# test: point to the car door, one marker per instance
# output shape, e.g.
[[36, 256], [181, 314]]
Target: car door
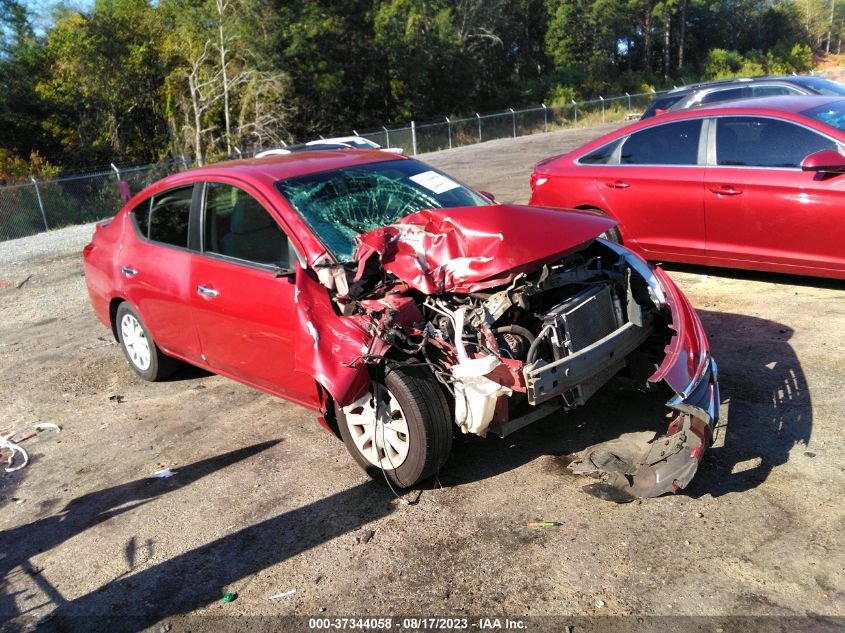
[[155, 269], [243, 293], [655, 189], [760, 207]]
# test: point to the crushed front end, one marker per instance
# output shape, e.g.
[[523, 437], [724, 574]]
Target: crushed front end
[[515, 343]]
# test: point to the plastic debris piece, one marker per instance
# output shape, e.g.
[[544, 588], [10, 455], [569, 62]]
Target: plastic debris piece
[[229, 597], [20, 285], [600, 604], [163, 474], [22, 437], [541, 524], [287, 593], [7, 444], [104, 425], [44, 426]]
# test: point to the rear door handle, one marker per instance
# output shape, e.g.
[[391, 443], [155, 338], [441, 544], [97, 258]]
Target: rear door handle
[[726, 190], [128, 271], [618, 184], [207, 292]]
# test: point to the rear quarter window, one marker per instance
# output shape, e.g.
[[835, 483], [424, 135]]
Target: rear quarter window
[[169, 216], [600, 156], [141, 218]]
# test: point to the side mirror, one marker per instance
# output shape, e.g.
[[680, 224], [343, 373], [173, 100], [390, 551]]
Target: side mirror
[[825, 161], [488, 195]]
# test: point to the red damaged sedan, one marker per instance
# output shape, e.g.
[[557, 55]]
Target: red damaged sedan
[[757, 184], [399, 304]]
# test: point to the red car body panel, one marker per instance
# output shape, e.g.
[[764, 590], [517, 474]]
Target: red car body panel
[[774, 219], [471, 248]]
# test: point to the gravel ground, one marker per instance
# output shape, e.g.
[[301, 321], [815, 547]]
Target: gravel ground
[[264, 501]]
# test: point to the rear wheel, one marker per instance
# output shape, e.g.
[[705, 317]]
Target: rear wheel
[[612, 234], [401, 427], [140, 348]]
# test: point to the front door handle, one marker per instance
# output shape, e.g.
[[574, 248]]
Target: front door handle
[[207, 292], [128, 271], [726, 190], [618, 184]]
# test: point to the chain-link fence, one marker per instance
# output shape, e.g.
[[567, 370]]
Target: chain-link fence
[[37, 206]]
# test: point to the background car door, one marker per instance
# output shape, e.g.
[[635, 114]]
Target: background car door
[[243, 300], [155, 266], [760, 206], [656, 190]]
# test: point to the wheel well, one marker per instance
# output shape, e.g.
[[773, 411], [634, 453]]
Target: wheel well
[[589, 207], [114, 304]]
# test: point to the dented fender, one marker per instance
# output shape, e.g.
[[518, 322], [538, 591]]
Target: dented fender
[[328, 346]]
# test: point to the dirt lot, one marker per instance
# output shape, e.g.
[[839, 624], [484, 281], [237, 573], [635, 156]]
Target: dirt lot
[[264, 501]]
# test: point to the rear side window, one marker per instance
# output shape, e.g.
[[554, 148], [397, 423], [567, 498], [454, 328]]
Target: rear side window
[[662, 103], [669, 144], [169, 216], [237, 225], [724, 95], [600, 156], [141, 216], [760, 142], [773, 91]]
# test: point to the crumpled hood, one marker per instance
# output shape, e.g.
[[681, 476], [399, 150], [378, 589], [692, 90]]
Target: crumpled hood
[[467, 249]]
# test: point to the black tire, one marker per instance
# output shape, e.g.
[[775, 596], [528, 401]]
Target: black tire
[[159, 365], [611, 235], [429, 424]]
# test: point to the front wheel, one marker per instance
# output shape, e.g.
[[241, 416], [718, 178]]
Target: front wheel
[[401, 427]]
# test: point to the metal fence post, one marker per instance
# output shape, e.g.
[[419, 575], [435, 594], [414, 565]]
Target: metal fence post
[[40, 204], [414, 137], [449, 131], [575, 104], [629, 101], [386, 136], [602, 108], [513, 114], [479, 126], [545, 117]]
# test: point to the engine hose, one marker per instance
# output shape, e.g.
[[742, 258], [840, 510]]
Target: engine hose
[[535, 345], [516, 329]]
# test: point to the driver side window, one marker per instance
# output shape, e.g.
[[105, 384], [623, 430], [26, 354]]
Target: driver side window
[[236, 225]]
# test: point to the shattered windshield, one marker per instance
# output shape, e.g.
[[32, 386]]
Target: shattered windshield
[[341, 204]]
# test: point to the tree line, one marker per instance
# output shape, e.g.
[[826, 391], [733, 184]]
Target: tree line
[[134, 81]]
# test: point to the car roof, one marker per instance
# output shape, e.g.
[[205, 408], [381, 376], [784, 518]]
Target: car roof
[[273, 168], [737, 81], [783, 103]]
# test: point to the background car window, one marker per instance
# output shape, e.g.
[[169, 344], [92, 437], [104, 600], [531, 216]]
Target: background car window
[[724, 95], [669, 144], [662, 103], [237, 225], [773, 91], [169, 216], [599, 156], [141, 215], [760, 142]]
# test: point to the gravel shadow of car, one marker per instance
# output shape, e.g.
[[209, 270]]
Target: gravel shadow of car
[[135, 602], [766, 411]]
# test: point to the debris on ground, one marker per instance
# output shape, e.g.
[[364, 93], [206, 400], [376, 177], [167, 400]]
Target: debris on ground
[[542, 524], [7, 444], [44, 426], [20, 284], [601, 604], [116, 397], [104, 425], [369, 534], [163, 474], [229, 597], [287, 593], [22, 436]]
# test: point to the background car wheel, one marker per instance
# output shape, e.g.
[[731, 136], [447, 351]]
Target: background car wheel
[[140, 348], [402, 426], [611, 235]]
